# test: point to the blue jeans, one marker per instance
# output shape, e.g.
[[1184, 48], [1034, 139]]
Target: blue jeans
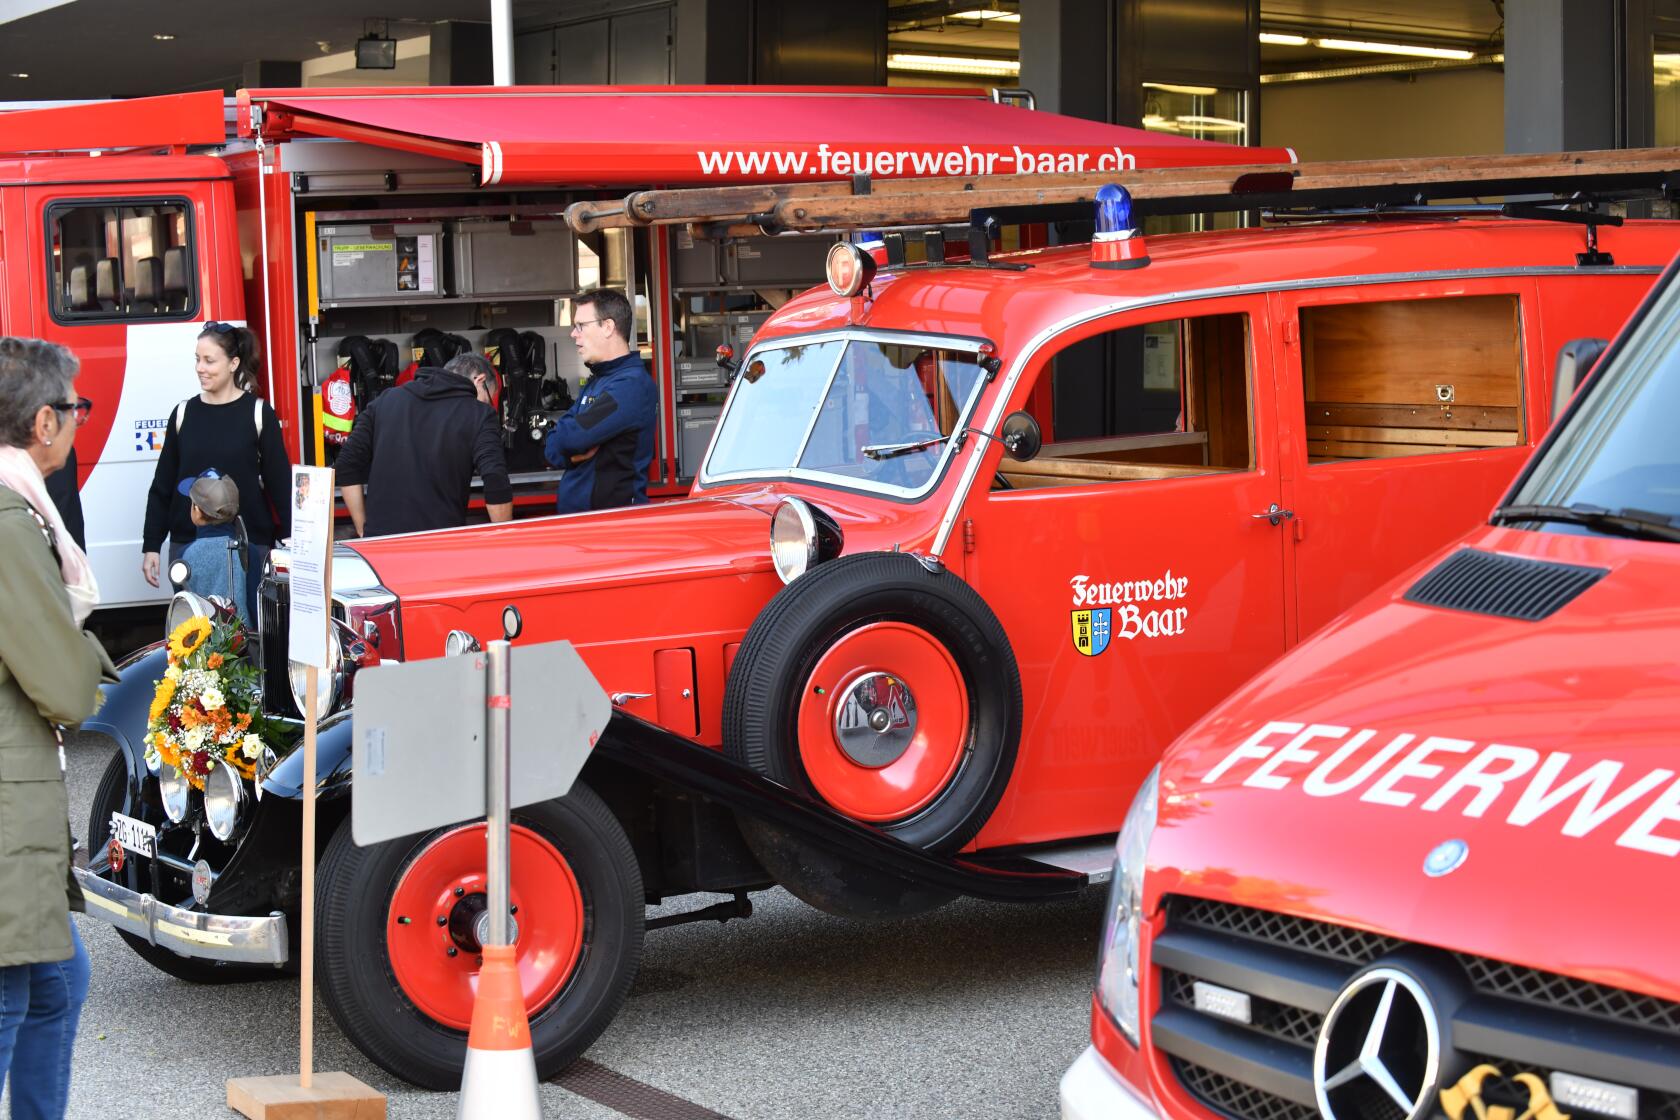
[[39, 1007]]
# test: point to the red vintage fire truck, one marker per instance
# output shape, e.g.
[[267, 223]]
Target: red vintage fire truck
[[367, 230], [976, 535], [1466, 911]]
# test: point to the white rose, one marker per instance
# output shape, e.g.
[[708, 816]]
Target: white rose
[[251, 747], [173, 672], [193, 740], [212, 698]]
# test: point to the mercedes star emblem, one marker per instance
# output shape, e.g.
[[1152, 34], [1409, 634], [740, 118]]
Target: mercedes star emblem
[[1380, 1047]]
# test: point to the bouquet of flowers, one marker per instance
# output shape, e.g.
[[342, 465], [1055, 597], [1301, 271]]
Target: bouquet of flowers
[[208, 705]]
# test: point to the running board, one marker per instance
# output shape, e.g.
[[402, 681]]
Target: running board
[[1094, 859], [663, 756]]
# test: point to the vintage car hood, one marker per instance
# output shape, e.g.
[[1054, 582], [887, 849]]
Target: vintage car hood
[[651, 543], [1571, 860]]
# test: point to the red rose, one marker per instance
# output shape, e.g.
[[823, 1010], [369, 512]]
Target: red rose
[[237, 643], [201, 762]]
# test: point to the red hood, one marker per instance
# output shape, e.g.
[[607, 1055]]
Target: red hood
[[638, 544], [1589, 693]]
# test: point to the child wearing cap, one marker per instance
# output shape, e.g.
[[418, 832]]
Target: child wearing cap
[[213, 557]]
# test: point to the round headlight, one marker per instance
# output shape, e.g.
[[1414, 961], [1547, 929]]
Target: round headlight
[[224, 795], [329, 683], [793, 539], [173, 788], [459, 641], [179, 573], [186, 605]]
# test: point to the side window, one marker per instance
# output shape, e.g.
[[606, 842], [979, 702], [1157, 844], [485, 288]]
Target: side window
[[121, 260], [1412, 377], [1158, 400]]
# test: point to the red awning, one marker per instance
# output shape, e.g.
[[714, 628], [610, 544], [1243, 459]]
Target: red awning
[[669, 135], [174, 120]]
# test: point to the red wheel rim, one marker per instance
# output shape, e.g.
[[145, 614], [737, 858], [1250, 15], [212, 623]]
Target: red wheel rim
[[911, 782], [548, 909]]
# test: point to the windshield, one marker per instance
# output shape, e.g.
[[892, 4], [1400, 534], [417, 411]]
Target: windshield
[[813, 409], [1619, 455]]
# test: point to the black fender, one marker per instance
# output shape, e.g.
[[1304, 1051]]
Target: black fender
[[662, 756], [125, 706], [332, 763]]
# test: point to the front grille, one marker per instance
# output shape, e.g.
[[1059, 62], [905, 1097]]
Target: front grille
[[1233, 1098], [1291, 968], [274, 608], [1506, 586]]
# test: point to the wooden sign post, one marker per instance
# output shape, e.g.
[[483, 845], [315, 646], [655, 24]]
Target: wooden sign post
[[309, 630]]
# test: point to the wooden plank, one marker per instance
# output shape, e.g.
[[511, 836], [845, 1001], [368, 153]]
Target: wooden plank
[[1431, 437], [1086, 470], [931, 201], [333, 1096], [1071, 448], [1396, 352], [1339, 450], [1459, 417]]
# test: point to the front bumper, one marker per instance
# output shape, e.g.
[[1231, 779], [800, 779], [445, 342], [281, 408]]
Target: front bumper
[[214, 937], [1092, 1091]]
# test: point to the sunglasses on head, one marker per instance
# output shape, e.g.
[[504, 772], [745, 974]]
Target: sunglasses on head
[[213, 327]]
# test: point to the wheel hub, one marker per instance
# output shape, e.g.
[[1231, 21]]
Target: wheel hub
[[876, 720]]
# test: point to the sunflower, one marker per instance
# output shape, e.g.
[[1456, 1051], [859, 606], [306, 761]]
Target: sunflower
[[161, 701], [189, 636]]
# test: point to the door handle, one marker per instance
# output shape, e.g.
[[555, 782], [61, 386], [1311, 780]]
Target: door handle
[[1276, 514], [619, 699]]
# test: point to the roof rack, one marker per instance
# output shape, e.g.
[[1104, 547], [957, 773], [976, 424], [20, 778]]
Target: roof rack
[[879, 204]]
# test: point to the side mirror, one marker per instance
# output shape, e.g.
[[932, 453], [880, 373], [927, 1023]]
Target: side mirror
[[180, 572], [1574, 361], [512, 624], [1021, 436]]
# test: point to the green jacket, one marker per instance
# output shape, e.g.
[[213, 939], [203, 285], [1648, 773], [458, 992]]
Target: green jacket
[[49, 673]]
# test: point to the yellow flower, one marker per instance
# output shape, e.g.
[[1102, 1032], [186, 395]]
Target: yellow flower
[[161, 701], [189, 636]]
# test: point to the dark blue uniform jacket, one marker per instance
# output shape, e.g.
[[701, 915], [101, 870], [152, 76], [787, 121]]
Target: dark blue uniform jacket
[[615, 413]]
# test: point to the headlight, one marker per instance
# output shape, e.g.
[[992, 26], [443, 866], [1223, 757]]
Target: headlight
[[1117, 961], [173, 788], [224, 796], [459, 641], [329, 682], [186, 605], [801, 536]]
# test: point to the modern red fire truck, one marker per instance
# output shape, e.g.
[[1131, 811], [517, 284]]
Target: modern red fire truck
[[373, 229]]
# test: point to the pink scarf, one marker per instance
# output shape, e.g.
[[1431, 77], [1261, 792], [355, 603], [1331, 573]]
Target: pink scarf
[[19, 472]]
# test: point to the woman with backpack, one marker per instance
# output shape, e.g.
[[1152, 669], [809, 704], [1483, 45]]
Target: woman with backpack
[[229, 428]]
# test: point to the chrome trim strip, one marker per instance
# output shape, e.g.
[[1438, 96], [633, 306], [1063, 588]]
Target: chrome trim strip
[[214, 937], [972, 468], [816, 413], [964, 343]]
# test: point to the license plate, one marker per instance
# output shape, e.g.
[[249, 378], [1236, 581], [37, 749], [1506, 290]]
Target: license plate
[[135, 836]]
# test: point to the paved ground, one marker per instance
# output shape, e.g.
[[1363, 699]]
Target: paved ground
[[970, 1012]]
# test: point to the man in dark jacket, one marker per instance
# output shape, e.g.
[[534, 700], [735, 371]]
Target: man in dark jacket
[[416, 449], [604, 442]]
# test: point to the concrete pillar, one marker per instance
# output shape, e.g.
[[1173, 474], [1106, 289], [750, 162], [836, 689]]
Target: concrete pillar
[[271, 74], [1068, 56], [1577, 75], [714, 42], [460, 54], [820, 42]]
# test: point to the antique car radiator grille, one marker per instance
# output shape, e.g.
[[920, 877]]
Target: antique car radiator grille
[[1520, 1019], [273, 609], [1506, 586]]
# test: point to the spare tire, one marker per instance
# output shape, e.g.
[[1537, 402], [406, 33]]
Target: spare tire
[[885, 688]]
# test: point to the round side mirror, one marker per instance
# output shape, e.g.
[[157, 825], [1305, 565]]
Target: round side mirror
[[1021, 436], [179, 573], [512, 624]]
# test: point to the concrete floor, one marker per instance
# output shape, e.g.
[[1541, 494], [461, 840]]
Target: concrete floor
[[973, 1011]]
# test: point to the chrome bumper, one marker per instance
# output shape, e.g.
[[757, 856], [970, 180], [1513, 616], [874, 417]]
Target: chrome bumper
[[1093, 1091], [214, 937]]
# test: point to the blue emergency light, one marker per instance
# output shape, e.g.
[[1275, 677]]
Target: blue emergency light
[[1117, 243]]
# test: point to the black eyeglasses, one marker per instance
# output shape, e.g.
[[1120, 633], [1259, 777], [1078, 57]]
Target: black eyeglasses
[[81, 406]]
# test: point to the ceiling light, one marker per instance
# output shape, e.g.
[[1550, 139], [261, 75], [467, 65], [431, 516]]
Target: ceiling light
[[1276, 40], [952, 64], [1194, 91], [1212, 124], [20, 75], [988, 14], [163, 38], [1372, 69], [1666, 61], [1412, 49]]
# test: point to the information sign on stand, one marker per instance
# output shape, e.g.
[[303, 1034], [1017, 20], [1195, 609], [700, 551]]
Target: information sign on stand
[[310, 504]]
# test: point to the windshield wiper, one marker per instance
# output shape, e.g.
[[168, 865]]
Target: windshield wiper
[[1636, 523], [894, 450]]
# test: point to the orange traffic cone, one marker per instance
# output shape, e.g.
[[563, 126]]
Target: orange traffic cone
[[500, 1078]]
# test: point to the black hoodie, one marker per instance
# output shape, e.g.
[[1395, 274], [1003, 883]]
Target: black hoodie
[[416, 449]]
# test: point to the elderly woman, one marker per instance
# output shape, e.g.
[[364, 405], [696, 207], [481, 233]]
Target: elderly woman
[[49, 675]]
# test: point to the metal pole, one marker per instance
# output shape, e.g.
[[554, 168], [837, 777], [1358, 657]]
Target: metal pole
[[501, 41], [497, 793]]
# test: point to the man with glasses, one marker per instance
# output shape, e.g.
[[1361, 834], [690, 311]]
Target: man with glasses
[[604, 442]]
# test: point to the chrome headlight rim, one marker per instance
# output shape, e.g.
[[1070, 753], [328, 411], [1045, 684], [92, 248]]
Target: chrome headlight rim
[[184, 605], [1118, 957], [330, 681], [802, 536], [224, 800], [174, 791], [457, 642]]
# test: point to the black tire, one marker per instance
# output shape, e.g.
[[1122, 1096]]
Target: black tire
[[831, 601], [360, 989], [109, 797]]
